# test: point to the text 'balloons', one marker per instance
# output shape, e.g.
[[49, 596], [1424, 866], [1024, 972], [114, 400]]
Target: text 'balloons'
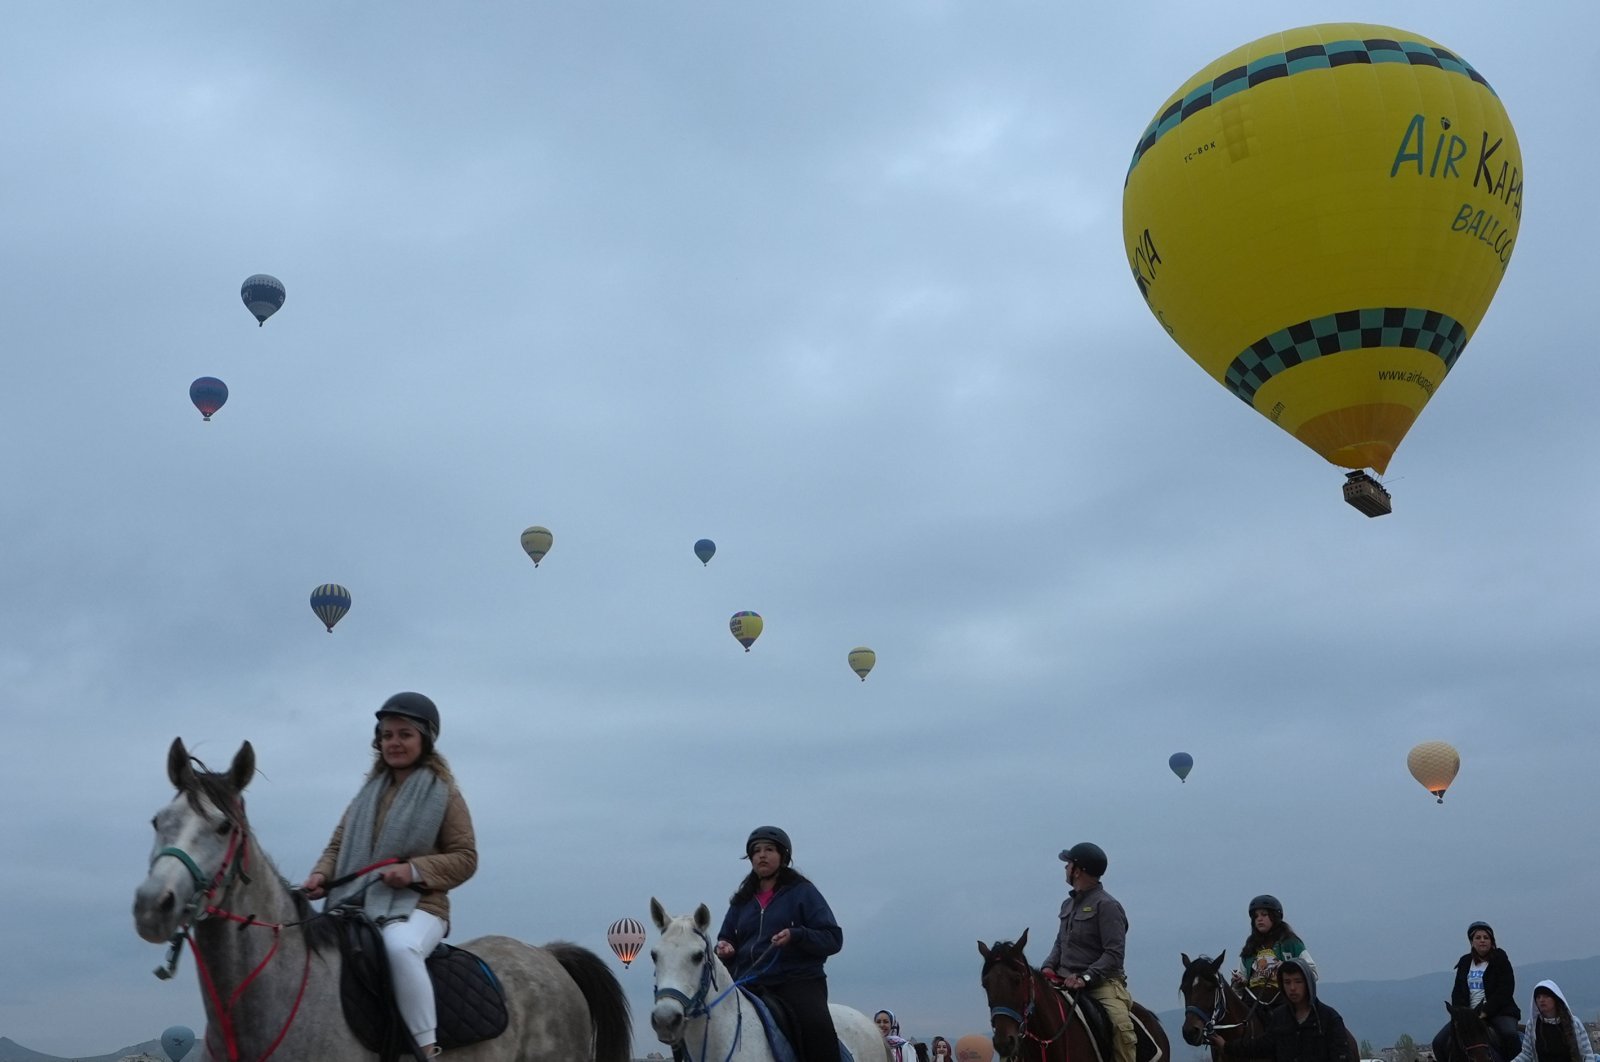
[[1305, 218], [208, 395], [861, 661], [626, 937], [330, 602], [263, 296], [705, 549], [536, 542], [1434, 765], [746, 626], [1181, 764]]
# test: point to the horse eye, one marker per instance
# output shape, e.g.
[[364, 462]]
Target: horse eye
[[700, 956], [226, 827]]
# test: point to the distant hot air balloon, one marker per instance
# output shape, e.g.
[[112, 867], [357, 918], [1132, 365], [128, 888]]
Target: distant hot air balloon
[[176, 1041], [861, 660], [330, 602], [976, 1047], [1434, 764], [705, 549], [263, 296], [536, 541], [1181, 763], [1320, 219], [208, 394], [626, 937], [746, 626]]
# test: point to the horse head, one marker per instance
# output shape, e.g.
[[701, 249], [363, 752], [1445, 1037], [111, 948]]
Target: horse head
[[1470, 1035], [201, 842], [1008, 981], [1205, 999], [686, 970]]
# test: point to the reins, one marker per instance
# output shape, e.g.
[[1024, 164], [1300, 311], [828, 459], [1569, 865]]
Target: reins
[[1219, 1010], [1025, 1018], [696, 1006]]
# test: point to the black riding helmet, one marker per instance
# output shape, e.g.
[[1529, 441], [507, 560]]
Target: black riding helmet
[[1090, 858], [773, 835], [1486, 927], [413, 706], [1269, 904]]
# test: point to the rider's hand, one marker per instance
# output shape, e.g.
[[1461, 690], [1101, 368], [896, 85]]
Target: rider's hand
[[782, 937], [724, 950], [396, 876], [1050, 975], [312, 886]]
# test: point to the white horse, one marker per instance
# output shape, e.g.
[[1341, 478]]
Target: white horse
[[269, 966], [698, 1006]]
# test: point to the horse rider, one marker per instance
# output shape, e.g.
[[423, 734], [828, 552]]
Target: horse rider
[[1303, 1029], [1485, 982], [1088, 952], [1271, 941]]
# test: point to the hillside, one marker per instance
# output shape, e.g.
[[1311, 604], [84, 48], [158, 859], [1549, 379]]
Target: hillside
[[1380, 1011], [11, 1051]]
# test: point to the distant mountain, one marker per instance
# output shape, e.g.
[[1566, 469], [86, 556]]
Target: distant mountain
[[1380, 1011], [11, 1051]]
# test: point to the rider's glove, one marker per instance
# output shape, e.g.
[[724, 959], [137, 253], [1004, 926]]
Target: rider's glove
[[1050, 975]]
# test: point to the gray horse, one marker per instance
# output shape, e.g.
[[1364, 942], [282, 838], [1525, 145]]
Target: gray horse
[[269, 973]]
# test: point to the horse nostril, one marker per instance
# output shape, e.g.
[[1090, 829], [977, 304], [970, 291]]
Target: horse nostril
[[168, 902]]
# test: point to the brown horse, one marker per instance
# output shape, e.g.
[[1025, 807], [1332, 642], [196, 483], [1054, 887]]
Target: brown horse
[[1033, 1020], [1471, 1038], [1213, 1006]]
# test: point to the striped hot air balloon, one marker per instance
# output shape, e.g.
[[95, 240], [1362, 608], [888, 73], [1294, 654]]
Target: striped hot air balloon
[[330, 602], [626, 937], [263, 296]]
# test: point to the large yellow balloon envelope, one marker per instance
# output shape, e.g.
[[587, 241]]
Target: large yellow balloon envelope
[[861, 661], [1434, 764], [1320, 219], [536, 542], [746, 626]]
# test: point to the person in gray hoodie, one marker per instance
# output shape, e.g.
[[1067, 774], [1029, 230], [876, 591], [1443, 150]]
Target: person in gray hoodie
[[1555, 1034], [1301, 1029]]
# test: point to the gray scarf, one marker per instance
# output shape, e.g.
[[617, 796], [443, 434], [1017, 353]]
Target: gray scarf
[[411, 828]]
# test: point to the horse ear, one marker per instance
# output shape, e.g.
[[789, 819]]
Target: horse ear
[[244, 767], [179, 769], [1022, 941], [1185, 957], [1223, 954], [702, 917], [658, 914], [983, 949]]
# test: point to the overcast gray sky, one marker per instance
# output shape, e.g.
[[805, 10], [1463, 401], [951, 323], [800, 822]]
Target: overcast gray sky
[[834, 285]]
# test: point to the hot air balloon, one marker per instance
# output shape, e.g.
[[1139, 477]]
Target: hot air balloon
[[263, 296], [746, 626], [176, 1042], [1434, 764], [1320, 219], [330, 602], [705, 549], [626, 937], [208, 394], [976, 1047], [861, 660], [536, 541], [1181, 763]]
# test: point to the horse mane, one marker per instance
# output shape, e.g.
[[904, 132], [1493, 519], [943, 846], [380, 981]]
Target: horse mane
[[1190, 974], [212, 786], [1001, 951]]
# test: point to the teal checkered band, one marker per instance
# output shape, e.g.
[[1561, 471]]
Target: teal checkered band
[[1299, 60], [1380, 326]]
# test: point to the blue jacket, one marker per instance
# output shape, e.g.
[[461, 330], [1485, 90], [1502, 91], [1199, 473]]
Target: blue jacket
[[800, 909]]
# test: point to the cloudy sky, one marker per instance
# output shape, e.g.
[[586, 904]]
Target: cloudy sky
[[835, 286]]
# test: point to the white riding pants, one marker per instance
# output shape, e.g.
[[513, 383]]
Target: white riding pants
[[408, 945]]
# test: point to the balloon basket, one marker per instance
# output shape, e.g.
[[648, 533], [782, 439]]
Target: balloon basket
[[1366, 494]]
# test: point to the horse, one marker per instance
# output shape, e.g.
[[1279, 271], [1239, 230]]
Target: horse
[[1213, 1005], [701, 1011], [269, 966], [1471, 1038], [1034, 1031]]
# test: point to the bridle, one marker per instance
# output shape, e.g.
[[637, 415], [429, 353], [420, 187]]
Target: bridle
[[696, 1006], [1025, 1017], [1219, 1010]]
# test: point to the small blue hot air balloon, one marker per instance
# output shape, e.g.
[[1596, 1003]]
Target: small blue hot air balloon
[[1181, 763], [263, 296], [208, 394], [330, 602], [705, 549], [176, 1041]]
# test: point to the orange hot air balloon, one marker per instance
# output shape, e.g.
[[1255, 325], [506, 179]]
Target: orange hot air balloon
[[1434, 764]]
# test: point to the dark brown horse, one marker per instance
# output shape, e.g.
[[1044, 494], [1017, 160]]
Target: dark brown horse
[[1212, 1006], [1471, 1038], [1034, 1021]]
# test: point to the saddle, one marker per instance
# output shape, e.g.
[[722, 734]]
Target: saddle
[[472, 1005], [778, 1024], [1094, 1018]]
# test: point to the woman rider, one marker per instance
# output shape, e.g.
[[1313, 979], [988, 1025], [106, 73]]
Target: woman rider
[[778, 933], [1486, 983], [1271, 941]]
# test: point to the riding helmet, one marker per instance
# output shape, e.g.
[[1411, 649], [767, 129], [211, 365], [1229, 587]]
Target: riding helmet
[[773, 835], [1090, 858], [413, 706], [1474, 927], [1269, 904]]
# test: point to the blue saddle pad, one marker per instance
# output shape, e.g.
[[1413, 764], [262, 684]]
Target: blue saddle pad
[[782, 1050]]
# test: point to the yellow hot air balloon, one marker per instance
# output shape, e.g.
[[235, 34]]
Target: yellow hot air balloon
[[537, 541], [1434, 764], [746, 626], [861, 660], [1319, 219]]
